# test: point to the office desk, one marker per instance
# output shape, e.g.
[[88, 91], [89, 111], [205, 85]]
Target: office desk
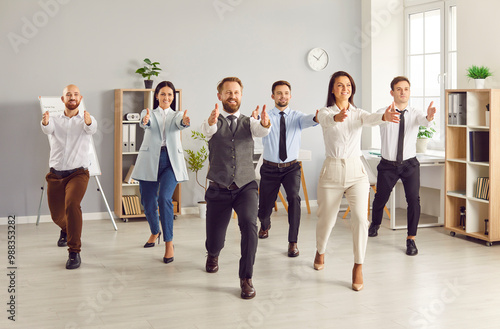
[[431, 191]]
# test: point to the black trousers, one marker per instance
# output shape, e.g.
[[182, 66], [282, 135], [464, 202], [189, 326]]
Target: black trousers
[[271, 178], [220, 203], [388, 175]]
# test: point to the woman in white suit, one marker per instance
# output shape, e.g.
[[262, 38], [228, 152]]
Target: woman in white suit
[[160, 164]]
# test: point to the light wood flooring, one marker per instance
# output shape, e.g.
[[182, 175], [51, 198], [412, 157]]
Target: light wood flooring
[[454, 282]]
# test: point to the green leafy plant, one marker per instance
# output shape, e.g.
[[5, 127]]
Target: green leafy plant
[[426, 132], [150, 69], [478, 72], [196, 159]]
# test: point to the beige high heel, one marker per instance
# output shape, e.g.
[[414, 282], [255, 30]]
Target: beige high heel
[[357, 286], [319, 261]]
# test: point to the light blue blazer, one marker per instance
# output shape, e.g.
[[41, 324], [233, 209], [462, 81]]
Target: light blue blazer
[[146, 166]]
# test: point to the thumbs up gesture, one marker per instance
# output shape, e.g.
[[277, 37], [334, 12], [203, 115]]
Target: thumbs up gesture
[[431, 110], [185, 119], [390, 114], [45, 119], [87, 118], [145, 120], [214, 115], [341, 116]]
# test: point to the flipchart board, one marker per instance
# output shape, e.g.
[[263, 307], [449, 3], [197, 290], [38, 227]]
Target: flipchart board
[[54, 105]]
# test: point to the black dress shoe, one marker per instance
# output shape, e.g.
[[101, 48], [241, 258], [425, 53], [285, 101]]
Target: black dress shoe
[[212, 265], [247, 289], [168, 260], [411, 247], [63, 239], [264, 234], [152, 244], [373, 230], [74, 261], [293, 250]]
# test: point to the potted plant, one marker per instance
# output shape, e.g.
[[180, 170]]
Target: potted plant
[[479, 74], [149, 69], [423, 136], [196, 162]]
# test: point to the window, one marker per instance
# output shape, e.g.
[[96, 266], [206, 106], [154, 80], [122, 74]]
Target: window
[[426, 63]]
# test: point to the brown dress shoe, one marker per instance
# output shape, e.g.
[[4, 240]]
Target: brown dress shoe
[[212, 265], [293, 250], [247, 289], [264, 234]]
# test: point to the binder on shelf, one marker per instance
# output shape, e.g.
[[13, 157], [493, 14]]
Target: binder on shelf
[[131, 136], [461, 108], [451, 109], [125, 138], [479, 142]]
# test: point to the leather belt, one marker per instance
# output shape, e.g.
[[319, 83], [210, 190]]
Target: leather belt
[[223, 187], [395, 163], [64, 173], [280, 165]]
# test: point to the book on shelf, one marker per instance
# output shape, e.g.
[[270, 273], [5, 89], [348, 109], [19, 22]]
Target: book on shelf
[[479, 142], [128, 178], [131, 205], [482, 190]]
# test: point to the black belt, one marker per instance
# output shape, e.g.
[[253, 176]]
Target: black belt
[[395, 163], [280, 165], [220, 186], [64, 173]]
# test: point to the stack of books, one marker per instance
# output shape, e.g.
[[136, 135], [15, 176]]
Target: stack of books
[[482, 190], [131, 205]]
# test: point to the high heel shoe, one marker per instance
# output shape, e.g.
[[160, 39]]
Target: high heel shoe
[[319, 261], [357, 286], [170, 259], [152, 244]]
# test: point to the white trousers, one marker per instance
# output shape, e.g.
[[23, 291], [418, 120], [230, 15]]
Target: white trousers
[[339, 176]]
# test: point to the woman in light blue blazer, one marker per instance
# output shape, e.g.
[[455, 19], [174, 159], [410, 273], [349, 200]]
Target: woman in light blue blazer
[[160, 164]]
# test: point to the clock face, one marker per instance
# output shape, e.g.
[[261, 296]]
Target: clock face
[[317, 58]]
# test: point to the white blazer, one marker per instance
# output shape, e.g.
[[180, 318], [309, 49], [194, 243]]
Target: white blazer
[[146, 166]]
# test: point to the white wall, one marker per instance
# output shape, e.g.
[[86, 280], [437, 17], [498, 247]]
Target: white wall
[[97, 45], [477, 40]]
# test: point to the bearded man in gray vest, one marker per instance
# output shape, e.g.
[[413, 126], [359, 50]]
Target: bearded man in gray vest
[[232, 178]]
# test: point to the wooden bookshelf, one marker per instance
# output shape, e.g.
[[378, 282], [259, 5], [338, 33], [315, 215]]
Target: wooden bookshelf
[[461, 173], [126, 101]]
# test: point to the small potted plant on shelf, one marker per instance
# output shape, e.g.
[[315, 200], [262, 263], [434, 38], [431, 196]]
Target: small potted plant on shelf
[[423, 137], [479, 74], [148, 70], [196, 162]]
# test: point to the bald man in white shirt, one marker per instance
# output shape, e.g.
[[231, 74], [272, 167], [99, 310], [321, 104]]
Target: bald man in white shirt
[[399, 160], [70, 136]]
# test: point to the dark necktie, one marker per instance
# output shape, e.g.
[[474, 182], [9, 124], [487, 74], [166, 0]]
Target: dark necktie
[[401, 137], [232, 125], [283, 155]]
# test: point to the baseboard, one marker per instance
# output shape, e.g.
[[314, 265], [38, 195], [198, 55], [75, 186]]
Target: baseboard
[[47, 218]]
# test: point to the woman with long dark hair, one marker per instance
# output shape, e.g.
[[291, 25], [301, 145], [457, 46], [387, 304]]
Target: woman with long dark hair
[[343, 171], [160, 164]]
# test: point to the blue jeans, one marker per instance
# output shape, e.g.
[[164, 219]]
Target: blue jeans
[[157, 195]]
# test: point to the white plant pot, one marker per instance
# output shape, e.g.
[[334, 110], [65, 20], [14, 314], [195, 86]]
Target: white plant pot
[[422, 145], [202, 208], [479, 83]]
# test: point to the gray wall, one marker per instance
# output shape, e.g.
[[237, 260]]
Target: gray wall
[[98, 45]]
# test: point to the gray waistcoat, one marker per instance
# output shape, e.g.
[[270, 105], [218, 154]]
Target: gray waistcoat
[[231, 157]]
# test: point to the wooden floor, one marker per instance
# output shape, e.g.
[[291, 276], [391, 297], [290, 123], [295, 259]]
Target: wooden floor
[[454, 282]]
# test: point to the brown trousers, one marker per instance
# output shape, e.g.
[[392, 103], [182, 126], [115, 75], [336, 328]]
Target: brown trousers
[[64, 197]]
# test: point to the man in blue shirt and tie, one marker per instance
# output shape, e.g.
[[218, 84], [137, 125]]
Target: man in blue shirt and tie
[[280, 166]]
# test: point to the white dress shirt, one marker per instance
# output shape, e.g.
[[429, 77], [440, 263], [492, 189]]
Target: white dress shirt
[[389, 134], [343, 139], [256, 128], [69, 140]]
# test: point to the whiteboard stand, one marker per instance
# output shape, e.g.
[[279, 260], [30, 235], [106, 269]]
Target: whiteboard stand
[[99, 188], [54, 105]]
